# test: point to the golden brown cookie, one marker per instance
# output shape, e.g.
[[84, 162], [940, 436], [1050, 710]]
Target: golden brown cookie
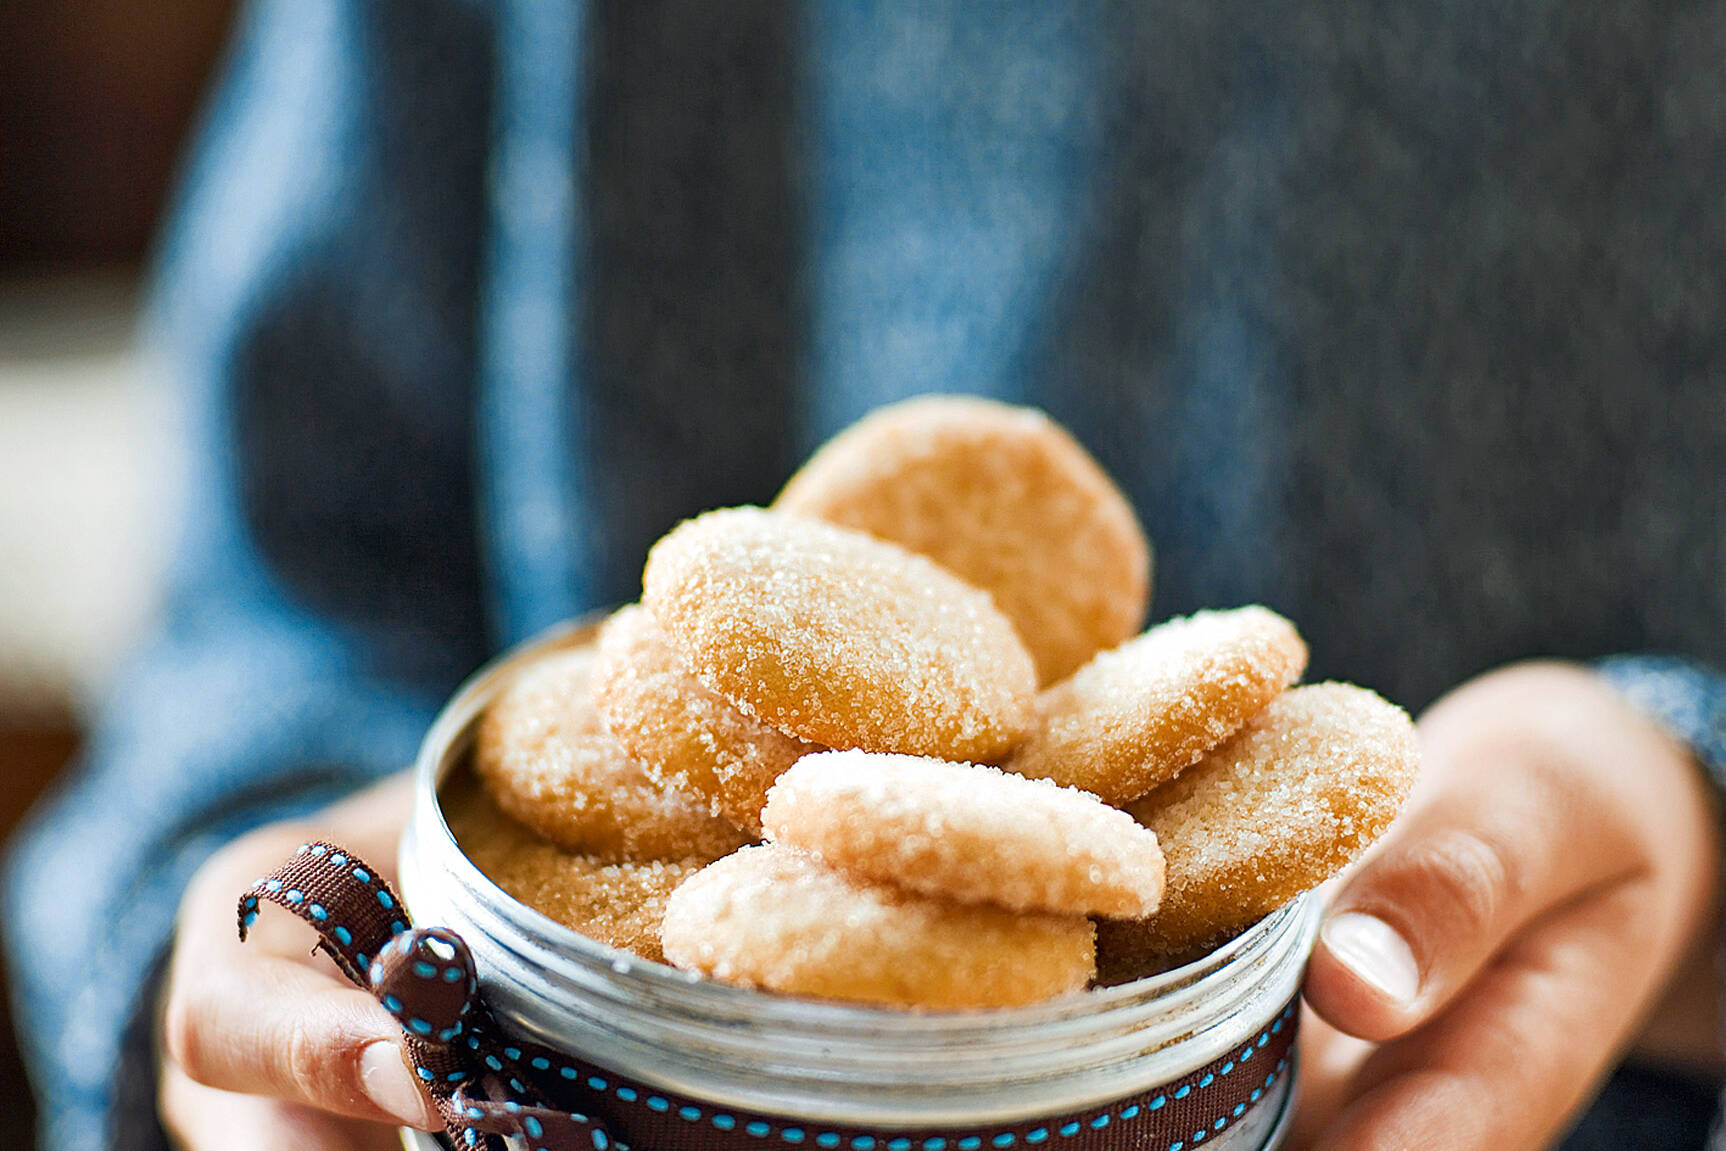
[[547, 760], [772, 918], [685, 735], [840, 639], [1003, 497], [1135, 716], [1279, 809], [968, 833], [617, 904]]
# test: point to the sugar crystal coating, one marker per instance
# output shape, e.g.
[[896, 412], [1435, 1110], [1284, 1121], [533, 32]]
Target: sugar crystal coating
[[1284, 805], [964, 832], [773, 918], [914, 585], [1005, 498], [547, 760], [1136, 716], [838, 638], [618, 904], [683, 734]]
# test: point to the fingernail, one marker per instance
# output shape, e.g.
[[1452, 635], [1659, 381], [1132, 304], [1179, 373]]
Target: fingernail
[[1372, 949], [389, 1083]]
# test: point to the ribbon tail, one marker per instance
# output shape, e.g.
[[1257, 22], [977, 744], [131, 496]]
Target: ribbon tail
[[353, 910], [542, 1126]]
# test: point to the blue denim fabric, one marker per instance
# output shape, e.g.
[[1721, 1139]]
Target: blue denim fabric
[[1403, 320], [1686, 698]]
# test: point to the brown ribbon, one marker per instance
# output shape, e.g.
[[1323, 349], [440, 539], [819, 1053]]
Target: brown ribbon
[[488, 1086]]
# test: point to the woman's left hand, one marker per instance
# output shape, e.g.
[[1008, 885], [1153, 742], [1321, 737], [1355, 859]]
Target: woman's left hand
[[1496, 953]]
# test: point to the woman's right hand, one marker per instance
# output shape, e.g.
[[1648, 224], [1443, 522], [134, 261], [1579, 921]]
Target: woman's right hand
[[265, 1044]]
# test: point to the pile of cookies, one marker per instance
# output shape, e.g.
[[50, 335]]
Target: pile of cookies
[[916, 678]]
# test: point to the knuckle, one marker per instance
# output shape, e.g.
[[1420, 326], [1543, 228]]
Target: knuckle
[[183, 1035], [321, 1062], [1462, 879], [306, 1061]]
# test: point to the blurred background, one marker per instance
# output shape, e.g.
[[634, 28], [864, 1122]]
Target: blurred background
[[96, 98]]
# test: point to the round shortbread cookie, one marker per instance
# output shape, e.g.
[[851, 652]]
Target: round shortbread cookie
[[1279, 809], [617, 904], [959, 831], [1136, 716], [773, 918], [546, 759], [1003, 497], [685, 735], [838, 638]]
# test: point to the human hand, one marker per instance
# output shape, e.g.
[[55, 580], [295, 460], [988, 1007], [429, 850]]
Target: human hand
[[266, 1044], [1500, 947]]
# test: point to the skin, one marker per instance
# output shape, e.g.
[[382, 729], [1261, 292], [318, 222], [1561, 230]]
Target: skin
[[1552, 875], [1554, 868], [263, 1044]]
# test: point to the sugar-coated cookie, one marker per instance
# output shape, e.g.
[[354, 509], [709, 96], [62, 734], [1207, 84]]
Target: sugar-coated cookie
[[959, 831], [772, 918], [685, 735], [838, 638], [548, 762], [1135, 716], [617, 904], [1003, 497], [1279, 809]]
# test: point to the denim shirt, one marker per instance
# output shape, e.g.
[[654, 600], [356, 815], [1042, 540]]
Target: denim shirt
[[1404, 320]]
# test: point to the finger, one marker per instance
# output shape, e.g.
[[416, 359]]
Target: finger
[[1329, 1063], [200, 1118], [1494, 842], [266, 1017], [278, 1028], [1508, 1064]]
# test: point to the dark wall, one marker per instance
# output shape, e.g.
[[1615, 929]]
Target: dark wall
[[95, 98], [30, 755]]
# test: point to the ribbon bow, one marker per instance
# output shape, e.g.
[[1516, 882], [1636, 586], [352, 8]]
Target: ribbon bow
[[485, 1087]]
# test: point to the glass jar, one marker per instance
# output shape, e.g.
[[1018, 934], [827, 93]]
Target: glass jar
[[800, 1066]]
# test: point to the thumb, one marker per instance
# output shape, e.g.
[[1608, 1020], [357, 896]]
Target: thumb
[[1489, 846]]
